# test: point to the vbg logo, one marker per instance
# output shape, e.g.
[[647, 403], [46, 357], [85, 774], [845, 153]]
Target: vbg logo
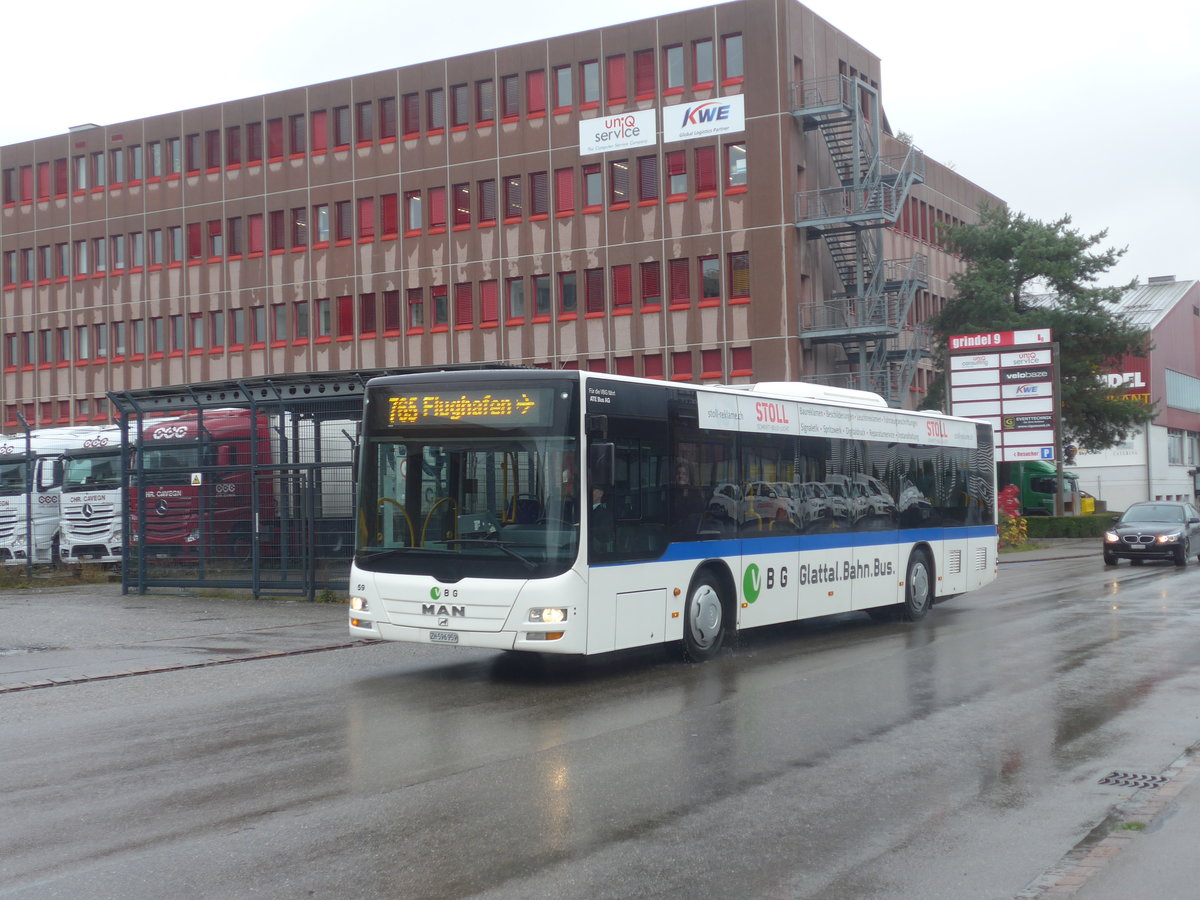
[[756, 580]]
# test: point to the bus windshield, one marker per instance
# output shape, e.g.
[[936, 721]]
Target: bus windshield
[[470, 480]]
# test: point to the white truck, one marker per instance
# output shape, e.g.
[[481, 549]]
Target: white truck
[[92, 499], [31, 473]]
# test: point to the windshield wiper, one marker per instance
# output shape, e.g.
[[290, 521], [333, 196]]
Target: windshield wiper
[[368, 555], [505, 546]]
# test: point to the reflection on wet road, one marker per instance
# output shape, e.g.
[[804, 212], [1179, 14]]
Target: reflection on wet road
[[840, 758]]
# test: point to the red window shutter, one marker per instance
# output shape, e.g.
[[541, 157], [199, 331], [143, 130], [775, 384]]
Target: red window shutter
[[535, 92], [320, 131], [387, 117], [676, 163], [464, 313], [345, 316], [706, 169], [622, 286], [412, 114], [680, 292], [26, 184], [740, 362], [624, 365], [681, 364], [366, 313], [391, 311], [60, 176], [437, 207], [564, 190], [489, 301], [651, 282], [710, 363], [275, 138], [194, 242], [43, 181], [366, 218], [594, 288], [643, 72], [254, 229], [652, 365], [389, 219], [617, 89]]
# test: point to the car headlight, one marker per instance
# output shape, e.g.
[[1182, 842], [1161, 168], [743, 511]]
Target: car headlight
[[1111, 537], [1171, 538]]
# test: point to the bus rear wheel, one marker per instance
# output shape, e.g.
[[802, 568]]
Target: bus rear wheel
[[703, 620], [918, 587]]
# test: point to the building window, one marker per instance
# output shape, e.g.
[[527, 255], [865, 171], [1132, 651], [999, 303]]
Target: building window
[[681, 291], [416, 309], [254, 229], [297, 142], [487, 202], [392, 314], [514, 290], [366, 218], [510, 96], [643, 74], [485, 101], [539, 193], [254, 143], [739, 276], [710, 279], [706, 171], [435, 110], [710, 363], [568, 299], [81, 175], [564, 191], [462, 205], [178, 344], [740, 361], [364, 121], [323, 319], [389, 215], [593, 187], [233, 145], [681, 365], [195, 241], [175, 244], [563, 94], [616, 86], [99, 173], [702, 63], [593, 287], [212, 149], [512, 197], [622, 287], [489, 302], [735, 166], [437, 208], [647, 179], [618, 183], [412, 211], [439, 295], [535, 93], [464, 304], [116, 164], [366, 314], [341, 127], [216, 244], [460, 107], [320, 222], [732, 66], [387, 118], [299, 229], [117, 245], [1174, 447], [677, 184], [319, 122], [411, 111], [302, 323], [196, 327], [343, 220], [237, 328], [672, 74], [651, 272], [589, 83], [274, 139], [541, 296]]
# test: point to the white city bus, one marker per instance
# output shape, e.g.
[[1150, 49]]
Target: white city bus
[[572, 512]]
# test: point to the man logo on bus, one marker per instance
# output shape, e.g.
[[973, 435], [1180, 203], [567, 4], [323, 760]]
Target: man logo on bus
[[752, 583]]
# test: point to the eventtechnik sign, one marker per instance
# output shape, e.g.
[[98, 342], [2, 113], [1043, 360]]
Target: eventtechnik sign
[[1009, 378]]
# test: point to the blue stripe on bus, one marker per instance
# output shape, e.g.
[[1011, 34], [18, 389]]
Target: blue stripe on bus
[[685, 550]]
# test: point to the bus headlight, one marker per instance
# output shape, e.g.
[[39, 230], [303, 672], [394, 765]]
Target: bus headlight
[[550, 615], [358, 604]]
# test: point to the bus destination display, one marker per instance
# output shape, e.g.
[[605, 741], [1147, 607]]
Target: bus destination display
[[527, 407]]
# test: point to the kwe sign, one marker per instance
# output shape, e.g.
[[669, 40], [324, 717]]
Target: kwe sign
[[1013, 387]]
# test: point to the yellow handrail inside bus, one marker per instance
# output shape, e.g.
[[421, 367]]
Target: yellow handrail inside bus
[[412, 535], [432, 510]]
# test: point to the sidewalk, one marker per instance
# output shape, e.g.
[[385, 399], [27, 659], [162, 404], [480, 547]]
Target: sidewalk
[[1055, 548]]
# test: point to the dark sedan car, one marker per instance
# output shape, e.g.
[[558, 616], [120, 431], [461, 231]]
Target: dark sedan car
[[1160, 529]]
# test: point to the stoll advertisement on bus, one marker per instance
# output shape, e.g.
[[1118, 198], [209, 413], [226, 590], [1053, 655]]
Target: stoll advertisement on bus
[[571, 512]]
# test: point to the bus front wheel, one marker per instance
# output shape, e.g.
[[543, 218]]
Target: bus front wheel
[[703, 620], [918, 587]]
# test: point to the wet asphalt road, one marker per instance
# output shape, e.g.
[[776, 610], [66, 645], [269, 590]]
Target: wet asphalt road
[[958, 758]]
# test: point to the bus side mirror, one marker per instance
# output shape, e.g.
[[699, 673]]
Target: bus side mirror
[[602, 457]]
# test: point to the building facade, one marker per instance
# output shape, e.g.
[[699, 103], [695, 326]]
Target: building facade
[[671, 198], [1161, 462]]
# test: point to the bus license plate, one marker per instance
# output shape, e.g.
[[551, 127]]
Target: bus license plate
[[444, 637]]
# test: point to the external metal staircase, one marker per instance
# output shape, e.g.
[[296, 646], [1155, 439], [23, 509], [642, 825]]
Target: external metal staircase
[[868, 316]]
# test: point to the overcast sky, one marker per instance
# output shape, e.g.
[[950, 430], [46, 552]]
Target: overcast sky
[[1084, 107]]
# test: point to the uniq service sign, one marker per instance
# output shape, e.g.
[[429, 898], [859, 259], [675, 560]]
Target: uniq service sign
[[703, 118], [620, 132]]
